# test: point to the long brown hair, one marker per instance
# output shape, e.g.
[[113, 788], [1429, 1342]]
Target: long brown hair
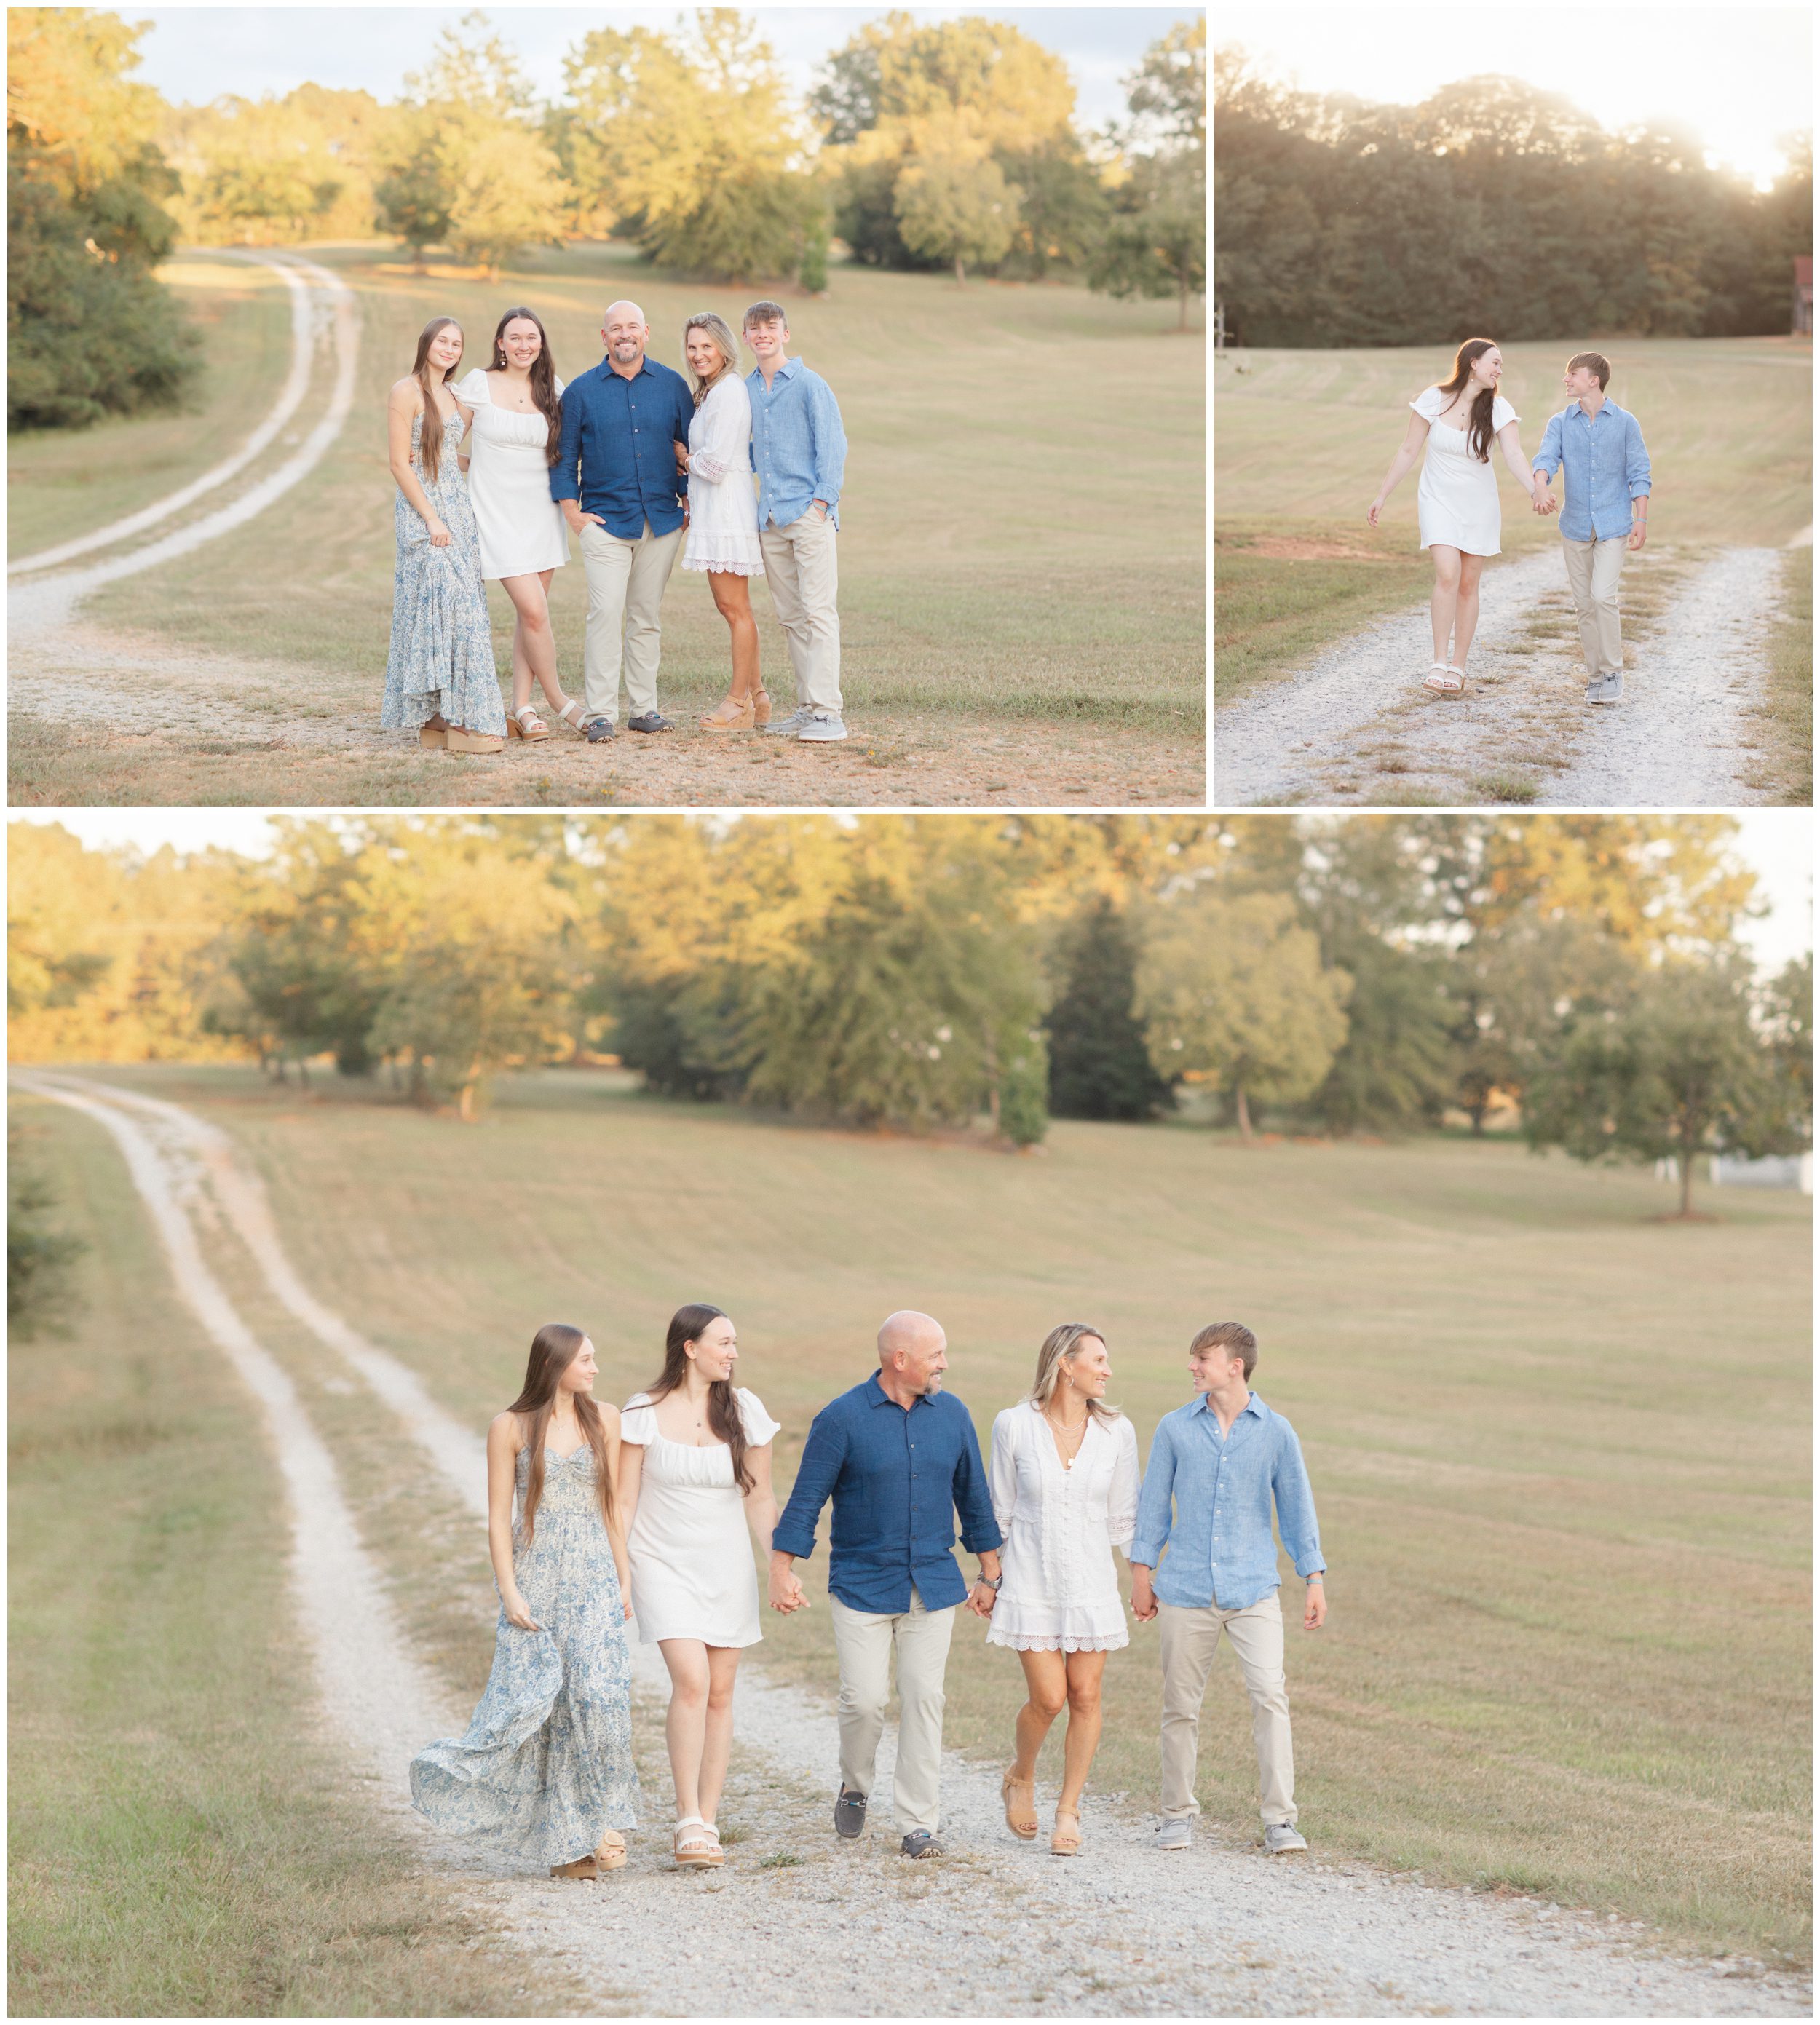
[[1479, 429], [723, 1413], [542, 377], [1058, 1346], [554, 1349], [432, 436]]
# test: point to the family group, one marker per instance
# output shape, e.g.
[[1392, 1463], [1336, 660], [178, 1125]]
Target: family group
[[1596, 445], [495, 472], [600, 1516]]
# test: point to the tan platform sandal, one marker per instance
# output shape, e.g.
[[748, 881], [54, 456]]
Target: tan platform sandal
[[717, 720], [459, 740], [695, 1846], [1011, 1821], [436, 733], [761, 703], [584, 1867], [525, 723], [610, 1851], [1066, 1842]]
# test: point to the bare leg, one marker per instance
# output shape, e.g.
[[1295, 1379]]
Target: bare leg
[[1045, 1678], [717, 1732], [1082, 1740], [533, 641], [1466, 612], [732, 600], [685, 1727], [1446, 597]]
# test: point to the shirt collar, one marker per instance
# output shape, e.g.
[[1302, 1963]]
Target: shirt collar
[[1253, 1406], [879, 1397], [1608, 406], [644, 367], [788, 370]]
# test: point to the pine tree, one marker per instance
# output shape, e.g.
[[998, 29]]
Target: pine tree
[[1098, 1064]]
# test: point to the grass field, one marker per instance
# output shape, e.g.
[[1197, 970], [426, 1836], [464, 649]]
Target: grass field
[[1022, 542], [1302, 439], [1560, 1450]]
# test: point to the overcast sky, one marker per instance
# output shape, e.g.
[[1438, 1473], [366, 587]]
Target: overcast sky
[[1778, 844], [194, 54], [1737, 76]]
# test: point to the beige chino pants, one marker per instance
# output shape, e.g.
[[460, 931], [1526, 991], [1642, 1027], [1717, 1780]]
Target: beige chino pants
[[1190, 1638], [864, 1641], [1592, 571], [626, 581], [801, 568]]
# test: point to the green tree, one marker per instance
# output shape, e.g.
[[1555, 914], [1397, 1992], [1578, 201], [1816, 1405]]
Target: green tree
[[1063, 209], [1232, 989], [1681, 1072], [1156, 243], [1098, 1064], [954, 209], [506, 191]]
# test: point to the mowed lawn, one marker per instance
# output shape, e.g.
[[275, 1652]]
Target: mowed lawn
[[1560, 1450], [1023, 530], [1303, 440]]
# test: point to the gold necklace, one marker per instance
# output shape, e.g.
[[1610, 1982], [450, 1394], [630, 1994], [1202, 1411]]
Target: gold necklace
[[1067, 1460]]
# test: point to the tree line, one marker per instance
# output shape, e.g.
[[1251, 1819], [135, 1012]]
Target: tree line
[[947, 145], [1580, 974], [1492, 207]]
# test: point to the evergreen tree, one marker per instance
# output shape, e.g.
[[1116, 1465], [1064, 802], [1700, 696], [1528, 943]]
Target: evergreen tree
[[1098, 1064]]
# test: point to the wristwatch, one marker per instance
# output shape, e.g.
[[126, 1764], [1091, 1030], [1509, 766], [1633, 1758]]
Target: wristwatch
[[993, 1582]]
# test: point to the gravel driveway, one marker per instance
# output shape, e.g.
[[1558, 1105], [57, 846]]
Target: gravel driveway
[[802, 1925]]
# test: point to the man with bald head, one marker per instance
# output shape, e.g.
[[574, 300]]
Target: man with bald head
[[898, 1456], [616, 479]]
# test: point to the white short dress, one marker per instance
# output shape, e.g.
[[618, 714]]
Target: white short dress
[[522, 530], [723, 509], [1457, 498], [693, 1576], [1061, 1590]]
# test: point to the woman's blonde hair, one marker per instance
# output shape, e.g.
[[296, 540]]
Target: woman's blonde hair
[[717, 328], [1059, 1347]]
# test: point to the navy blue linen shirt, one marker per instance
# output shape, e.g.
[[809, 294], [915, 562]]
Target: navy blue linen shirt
[[896, 1476], [620, 436]]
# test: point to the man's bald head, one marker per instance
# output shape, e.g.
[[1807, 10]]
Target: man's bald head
[[625, 334], [912, 1352], [630, 311]]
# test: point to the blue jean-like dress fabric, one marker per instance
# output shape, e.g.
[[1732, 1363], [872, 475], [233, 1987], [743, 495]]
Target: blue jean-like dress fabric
[[546, 1764], [442, 639]]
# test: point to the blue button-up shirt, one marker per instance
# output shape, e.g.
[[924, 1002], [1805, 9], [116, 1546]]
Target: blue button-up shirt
[[1220, 1548], [897, 1476], [799, 447], [1607, 468], [618, 447]]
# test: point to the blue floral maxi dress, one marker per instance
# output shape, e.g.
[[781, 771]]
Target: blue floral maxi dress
[[442, 639], [546, 1764]]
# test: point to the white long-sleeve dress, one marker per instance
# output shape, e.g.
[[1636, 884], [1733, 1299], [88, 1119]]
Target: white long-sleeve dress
[[723, 509], [1061, 1590]]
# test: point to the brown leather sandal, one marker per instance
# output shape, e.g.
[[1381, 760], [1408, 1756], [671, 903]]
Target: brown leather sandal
[[583, 1867], [435, 734], [610, 1851], [741, 719], [761, 703], [1066, 1842], [1017, 1828]]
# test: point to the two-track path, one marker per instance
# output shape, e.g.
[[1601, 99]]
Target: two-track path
[[816, 1928]]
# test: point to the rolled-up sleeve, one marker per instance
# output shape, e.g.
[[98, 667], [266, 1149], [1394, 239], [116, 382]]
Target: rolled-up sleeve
[[823, 1453], [980, 1532], [1636, 459], [830, 445], [1122, 1504], [1295, 1522], [1155, 1503], [1547, 459], [563, 473]]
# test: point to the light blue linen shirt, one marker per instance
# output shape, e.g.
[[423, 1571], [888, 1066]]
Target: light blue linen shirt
[[1220, 1549], [1607, 468], [799, 447]]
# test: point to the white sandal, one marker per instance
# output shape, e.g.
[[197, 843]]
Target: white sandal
[[571, 713], [1443, 679], [699, 1848], [525, 723]]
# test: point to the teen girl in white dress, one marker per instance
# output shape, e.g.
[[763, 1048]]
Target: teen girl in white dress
[[723, 511], [695, 1472], [1064, 1481], [1456, 498], [517, 404]]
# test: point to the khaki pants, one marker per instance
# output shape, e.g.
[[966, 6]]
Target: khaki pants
[[863, 1642], [626, 581], [800, 567], [1592, 571], [1188, 1638]]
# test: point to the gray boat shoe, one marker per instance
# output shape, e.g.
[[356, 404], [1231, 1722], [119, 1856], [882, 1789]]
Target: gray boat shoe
[[922, 1842], [849, 1813], [1175, 1834], [1281, 1839], [786, 727]]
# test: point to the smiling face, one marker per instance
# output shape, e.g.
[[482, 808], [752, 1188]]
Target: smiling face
[[714, 1351], [580, 1373], [1581, 380], [1488, 368], [1215, 1369], [625, 334], [522, 343], [444, 351], [1090, 1369], [767, 340], [703, 354]]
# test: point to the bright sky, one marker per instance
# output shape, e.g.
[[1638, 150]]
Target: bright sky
[[193, 54], [1737, 76], [1778, 844]]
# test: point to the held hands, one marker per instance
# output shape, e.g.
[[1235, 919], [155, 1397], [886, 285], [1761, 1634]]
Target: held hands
[[786, 1592], [1543, 502], [981, 1598], [1143, 1596]]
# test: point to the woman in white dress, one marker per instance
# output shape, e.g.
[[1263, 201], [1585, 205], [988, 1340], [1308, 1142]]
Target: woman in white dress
[[723, 510], [695, 1471], [1457, 497], [1065, 1491], [517, 404]]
